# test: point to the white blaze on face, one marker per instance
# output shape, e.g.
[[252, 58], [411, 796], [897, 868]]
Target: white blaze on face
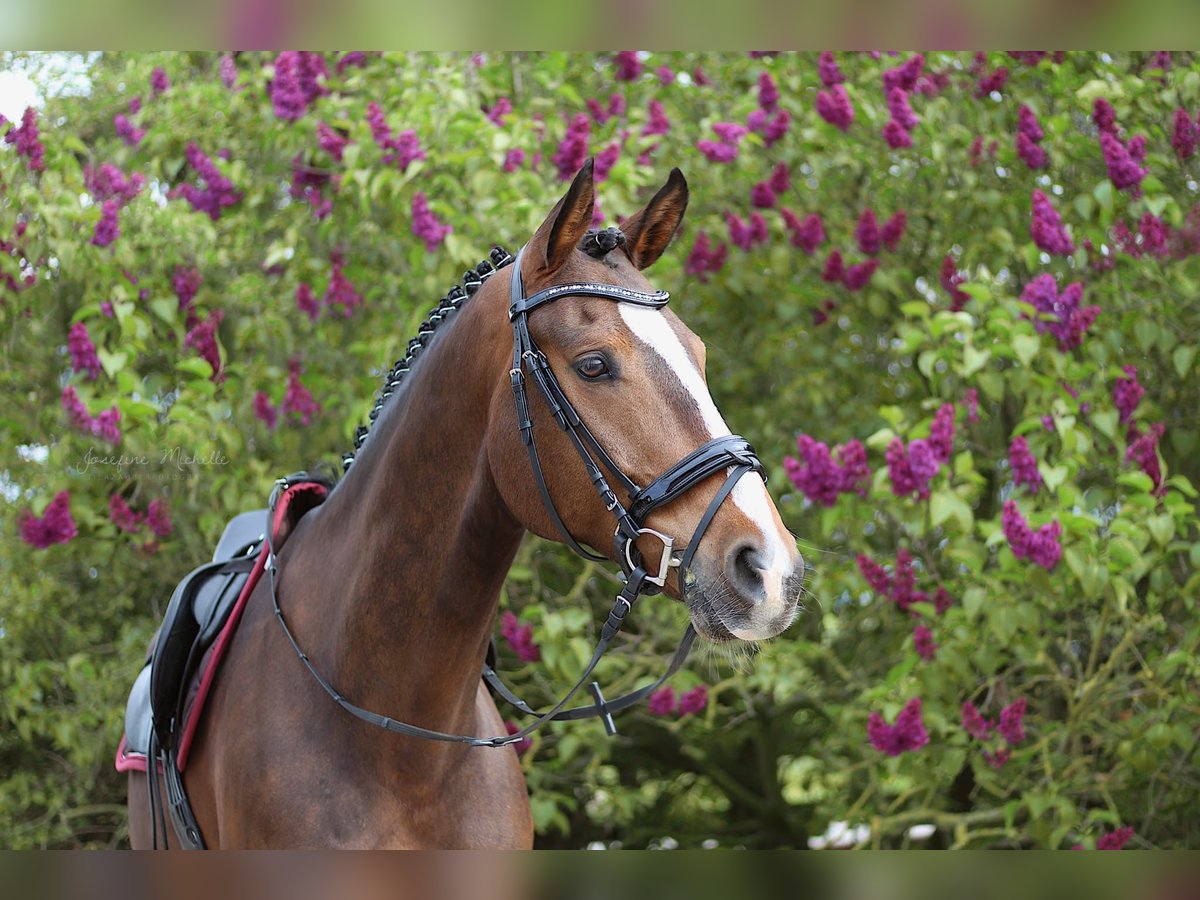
[[750, 493]]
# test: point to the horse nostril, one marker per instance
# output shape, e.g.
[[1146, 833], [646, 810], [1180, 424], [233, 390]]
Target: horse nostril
[[746, 571]]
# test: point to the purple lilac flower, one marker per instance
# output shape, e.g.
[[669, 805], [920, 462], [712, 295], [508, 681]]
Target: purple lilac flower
[[573, 150], [923, 642], [657, 121], [700, 78], [694, 701], [524, 743], [761, 196], [834, 269], [107, 182], [746, 235], [126, 131], [774, 129], [1030, 153], [828, 71], [896, 136], [951, 279], [332, 141], [599, 114], [820, 477], [356, 58], [122, 516], [83, 351], [306, 301], [705, 258], [906, 74], [298, 402], [135, 105], [264, 410], [662, 702], [665, 76], [158, 518], [202, 337], [628, 66], [867, 232], [1123, 169], [941, 433], [1128, 393], [858, 276], [27, 140], [105, 426], [514, 159], [897, 101], [974, 723], [907, 734], [108, 228], [185, 283], [1115, 840], [218, 191], [403, 149], [309, 183], [971, 404], [1028, 125], [808, 234], [340, 291], [1012, 721], [993, 82], [892, 231], [1060, 314], [1041, 547], [425, 225], [228, 70], [717, 152], [1155, 235], [605, 160], [780, 180], [1183, 134], [519, 638], [768, 92], [1104, 116], [1024, 466], [159, 81], [874, 573], [998, 757], [1143, 450], [834, 107], [502, 108], [287, 96], [1046, 227], [911, 468], [54, 526]]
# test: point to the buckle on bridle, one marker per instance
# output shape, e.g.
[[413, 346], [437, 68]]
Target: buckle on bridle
[[667, 561]]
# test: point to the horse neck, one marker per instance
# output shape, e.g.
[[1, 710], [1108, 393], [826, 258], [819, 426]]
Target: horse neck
[[413, 545]]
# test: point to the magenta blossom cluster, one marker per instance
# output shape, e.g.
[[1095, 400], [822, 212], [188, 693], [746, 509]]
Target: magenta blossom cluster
[[923, 642], [834, 107], [747, 235], [159, 83], [1046, 227], [297, 83], [656, 120], [520, 638], [1121, 160], [627, 65], [828, 71], [1153, 238], [765, 194], [906, 735], [514, 159], [971, 404], [217, 191], [906, 75], [107, 182], [768, 92], [120, 514], [357, 59], [264, 410], [157, 516], [823, 476], [771, 127], [901, 585], [663, 701], [1183, 134], [524, 743], [1116, 839], [573, 149], [1011, 727], [106, 425], [298, 403], [1029, 138], [1104, 117], [425, 225], [403, 149], [706, 258], [1041, 547], [108, 227], [126, 130], [991, 82], [501, 108], [1143, 450], [911, 467], [309, 184], [228, 70], [725, 148], [332, 140], [54, 526], [202, 337], [807, 233], [27, 139], [1060, 314], [185, 282], [1128, 393], [340, 291], [83, 351], [601, 114], [1024, 466], [951, 278]]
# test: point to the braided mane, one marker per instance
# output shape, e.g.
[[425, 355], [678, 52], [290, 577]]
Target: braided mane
[[454, 299]]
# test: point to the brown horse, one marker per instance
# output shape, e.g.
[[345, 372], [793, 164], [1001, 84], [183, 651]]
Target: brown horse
[[392, 584]]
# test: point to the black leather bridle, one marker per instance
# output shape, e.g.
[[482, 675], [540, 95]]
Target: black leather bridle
[[731, 454]]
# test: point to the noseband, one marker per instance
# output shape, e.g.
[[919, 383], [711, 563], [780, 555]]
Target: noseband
[[730, 453]]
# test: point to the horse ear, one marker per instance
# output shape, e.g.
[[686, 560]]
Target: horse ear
[[650, 229], [568, 222]]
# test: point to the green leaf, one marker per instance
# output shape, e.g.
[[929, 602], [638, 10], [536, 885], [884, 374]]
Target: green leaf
[[1026, 347], [111, 362], [1052, 475], [1103, 192], [1182, 358], [1162, 528], [945, 504], [974, 360], [972, 601]]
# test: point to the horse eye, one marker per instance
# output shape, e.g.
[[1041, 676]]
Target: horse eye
[[592, 367]]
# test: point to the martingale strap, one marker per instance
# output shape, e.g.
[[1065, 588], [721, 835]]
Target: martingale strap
[[729, 453]]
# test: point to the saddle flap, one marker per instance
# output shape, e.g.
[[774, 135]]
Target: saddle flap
[[243, 529]]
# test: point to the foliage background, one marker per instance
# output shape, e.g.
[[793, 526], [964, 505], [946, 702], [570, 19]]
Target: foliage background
[[1103, 646]]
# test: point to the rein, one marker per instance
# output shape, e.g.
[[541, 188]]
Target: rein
[[728, 453]]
